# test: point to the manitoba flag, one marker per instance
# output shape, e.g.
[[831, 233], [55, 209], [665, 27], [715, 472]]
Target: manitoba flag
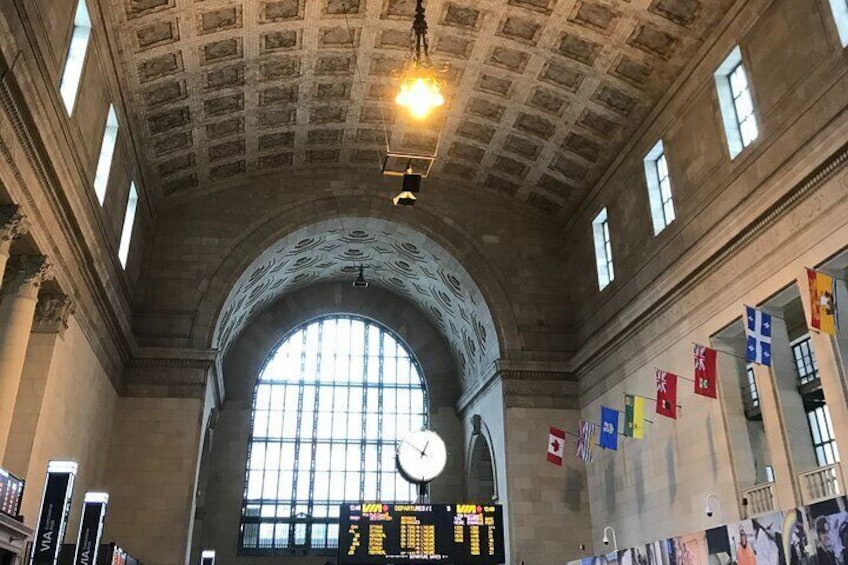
[[556, 441], [666, 394], [705, 371]]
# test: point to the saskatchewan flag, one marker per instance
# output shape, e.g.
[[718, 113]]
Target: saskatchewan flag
[[634, 416]]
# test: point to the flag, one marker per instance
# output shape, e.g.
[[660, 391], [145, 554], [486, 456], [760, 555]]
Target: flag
[[705, 371], [758, 331], [556, 441], [634, 416], [585, 439], [822, 302], [666, 393], [609, 428]]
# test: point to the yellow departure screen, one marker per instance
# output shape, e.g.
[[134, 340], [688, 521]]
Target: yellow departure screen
[[460, 534]]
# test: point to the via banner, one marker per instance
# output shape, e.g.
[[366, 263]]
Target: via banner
[[91, 528], [53, 516]]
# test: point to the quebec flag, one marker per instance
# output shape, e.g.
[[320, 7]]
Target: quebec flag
[[758, 331]]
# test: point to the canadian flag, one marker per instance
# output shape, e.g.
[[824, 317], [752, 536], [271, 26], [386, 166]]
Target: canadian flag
[[556, 442]]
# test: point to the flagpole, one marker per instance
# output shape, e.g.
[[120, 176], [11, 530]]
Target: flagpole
[[725, 353], [654, 400]]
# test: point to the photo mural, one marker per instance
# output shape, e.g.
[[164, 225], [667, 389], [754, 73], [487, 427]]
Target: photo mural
[[809, 535]]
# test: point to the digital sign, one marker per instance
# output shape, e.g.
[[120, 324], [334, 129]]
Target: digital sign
[[11, 492], [460, 534]]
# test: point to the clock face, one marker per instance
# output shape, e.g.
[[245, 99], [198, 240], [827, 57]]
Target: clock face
[[421, 456]]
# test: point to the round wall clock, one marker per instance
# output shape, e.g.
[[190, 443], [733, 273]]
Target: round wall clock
[[421, 456]]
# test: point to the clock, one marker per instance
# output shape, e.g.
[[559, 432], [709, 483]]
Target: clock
[[421, 456]]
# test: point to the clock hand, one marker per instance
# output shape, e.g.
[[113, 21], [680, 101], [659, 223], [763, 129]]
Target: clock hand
[[424, 451]]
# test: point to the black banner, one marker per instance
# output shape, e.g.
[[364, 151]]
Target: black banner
[[53, 518], [91, 527]]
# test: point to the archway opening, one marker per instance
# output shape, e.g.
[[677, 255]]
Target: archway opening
[[481, 471]]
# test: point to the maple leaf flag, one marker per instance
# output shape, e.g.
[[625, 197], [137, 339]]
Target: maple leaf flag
[[705, 371], [556, 442], [666, 394]]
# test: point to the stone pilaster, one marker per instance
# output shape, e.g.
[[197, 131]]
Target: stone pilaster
[[12, 225], [50, 321], [23, 277]]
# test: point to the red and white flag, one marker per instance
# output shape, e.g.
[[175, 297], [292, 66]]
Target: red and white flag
[[705, 371], [666, 394], [556, 442]]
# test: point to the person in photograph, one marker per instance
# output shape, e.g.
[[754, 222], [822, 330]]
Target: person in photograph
[[824, 545], [843, 538], [797, 541], [744, 552]]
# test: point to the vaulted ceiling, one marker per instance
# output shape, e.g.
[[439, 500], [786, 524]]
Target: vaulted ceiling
[[542, 94]]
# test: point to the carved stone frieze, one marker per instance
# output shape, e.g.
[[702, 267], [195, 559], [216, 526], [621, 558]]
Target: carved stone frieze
[[51, 313]]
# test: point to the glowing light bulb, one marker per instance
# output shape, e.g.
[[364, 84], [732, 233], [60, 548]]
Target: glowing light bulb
[[420, 95]]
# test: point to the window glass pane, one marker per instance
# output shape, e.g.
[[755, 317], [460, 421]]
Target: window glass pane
[[77, 49], [310, 441], [129, 222]]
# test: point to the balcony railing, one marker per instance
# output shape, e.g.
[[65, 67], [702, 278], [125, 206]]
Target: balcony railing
[[822, 483], [760, 499]]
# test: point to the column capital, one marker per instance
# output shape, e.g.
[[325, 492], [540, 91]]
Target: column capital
[[13, 222], [25, 273], [52, 312]]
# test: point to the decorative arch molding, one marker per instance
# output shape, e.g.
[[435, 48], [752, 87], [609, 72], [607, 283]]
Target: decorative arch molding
[[243, 363], [428, 260]]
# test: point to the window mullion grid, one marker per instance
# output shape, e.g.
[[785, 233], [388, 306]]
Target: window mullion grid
[[380, 383]]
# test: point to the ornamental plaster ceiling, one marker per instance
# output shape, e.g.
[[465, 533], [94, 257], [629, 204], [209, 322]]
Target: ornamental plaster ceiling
[[542, 94], [396, 257]]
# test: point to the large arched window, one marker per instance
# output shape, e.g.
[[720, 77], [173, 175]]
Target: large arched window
[[328, 409]]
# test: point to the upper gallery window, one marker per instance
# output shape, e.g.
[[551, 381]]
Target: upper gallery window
[[840, 14], [603, 249], [328, 409], [107, 152], [737, 105], [659, 188], [76, 57], [129, 221]]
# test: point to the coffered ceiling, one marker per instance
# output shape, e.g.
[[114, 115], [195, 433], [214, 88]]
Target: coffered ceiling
[[542, 94]]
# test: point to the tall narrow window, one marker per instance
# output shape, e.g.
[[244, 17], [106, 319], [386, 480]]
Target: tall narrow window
[[107, 152], [76, 57], [753, 393], [840, 14], [328, 409], [659, 188], [129, 221], [603, 249], [737, 105], [818, 415]]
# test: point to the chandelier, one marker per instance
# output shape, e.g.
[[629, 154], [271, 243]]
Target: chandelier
[[420, 91]]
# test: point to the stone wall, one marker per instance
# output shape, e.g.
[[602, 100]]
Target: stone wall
[[223, 489]]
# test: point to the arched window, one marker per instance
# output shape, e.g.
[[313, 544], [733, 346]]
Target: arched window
[[328, 409]]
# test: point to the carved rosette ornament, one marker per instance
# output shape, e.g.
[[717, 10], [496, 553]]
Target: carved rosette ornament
[[13, 224], [52, 313], [25, 273]]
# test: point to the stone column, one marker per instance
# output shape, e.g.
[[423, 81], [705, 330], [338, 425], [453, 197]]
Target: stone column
[[51, 320], [23, 277], [12, 225], [787, 432]]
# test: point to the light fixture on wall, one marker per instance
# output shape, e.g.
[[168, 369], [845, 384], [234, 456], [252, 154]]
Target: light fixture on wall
[[420, 90], [709, 509], [606, 540]]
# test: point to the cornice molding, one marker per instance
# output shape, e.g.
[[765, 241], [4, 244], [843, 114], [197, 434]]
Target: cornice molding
[[531, 384], [795, 200], [72, 280]]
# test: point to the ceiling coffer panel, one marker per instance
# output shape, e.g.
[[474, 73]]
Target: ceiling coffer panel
[[541, 94]]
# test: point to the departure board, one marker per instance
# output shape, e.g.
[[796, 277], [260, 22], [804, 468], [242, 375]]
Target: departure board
[[460, 534], [11, 492]]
